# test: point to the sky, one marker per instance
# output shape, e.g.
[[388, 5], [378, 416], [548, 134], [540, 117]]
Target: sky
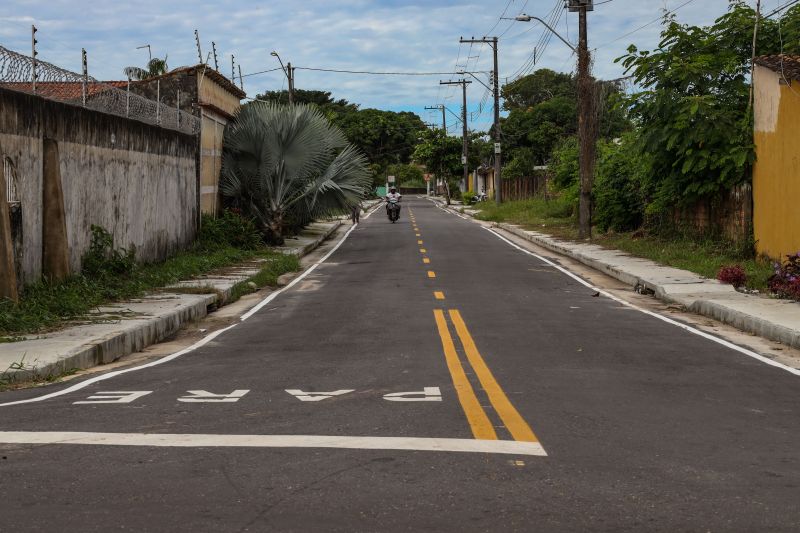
[[419, 36]]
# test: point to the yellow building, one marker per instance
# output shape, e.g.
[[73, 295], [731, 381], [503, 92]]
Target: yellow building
[[776, 176]]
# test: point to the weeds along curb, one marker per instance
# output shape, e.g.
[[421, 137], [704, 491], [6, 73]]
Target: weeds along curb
[[134, 337]]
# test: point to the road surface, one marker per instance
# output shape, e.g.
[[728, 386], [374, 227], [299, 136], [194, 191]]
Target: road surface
[[428, 375]]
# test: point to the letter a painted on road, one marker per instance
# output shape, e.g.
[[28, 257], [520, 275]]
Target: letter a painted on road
[[429, 394], [115, 397], [202, 396], [316, 396]]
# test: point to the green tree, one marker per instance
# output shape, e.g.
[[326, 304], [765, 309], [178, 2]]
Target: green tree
[[284, 166], [407, 175], [693, 107], [155, 67]]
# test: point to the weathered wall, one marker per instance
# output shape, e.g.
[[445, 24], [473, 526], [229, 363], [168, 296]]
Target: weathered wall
[[776, 176], [137, 181]]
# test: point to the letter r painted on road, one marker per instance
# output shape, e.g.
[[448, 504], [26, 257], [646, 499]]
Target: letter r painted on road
[[316, 396], [115, 397], [202, 396], [429, 394]]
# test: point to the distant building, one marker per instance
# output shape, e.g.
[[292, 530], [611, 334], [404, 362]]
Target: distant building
[[776, 176], [203, 91]]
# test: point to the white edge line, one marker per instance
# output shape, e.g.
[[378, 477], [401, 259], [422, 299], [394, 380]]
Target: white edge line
[[274, 441], [198, 344], [663, 318], [668, 320]]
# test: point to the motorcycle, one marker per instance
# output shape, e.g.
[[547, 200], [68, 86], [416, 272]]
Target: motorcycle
[[393, 209]]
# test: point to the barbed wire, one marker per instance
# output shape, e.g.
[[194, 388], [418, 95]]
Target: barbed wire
[[56, 83]]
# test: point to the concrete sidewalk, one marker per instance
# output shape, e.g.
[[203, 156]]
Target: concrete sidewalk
[[126, 327], [774, 319]]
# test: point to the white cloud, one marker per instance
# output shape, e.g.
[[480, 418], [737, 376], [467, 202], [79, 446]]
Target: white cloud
[[380, 35]]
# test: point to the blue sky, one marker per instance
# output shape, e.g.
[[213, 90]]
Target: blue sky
[[380, 35]]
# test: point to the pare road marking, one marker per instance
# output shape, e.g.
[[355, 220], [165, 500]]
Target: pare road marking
[[201, 396], [115, 397], [316, 396], [429, 394]]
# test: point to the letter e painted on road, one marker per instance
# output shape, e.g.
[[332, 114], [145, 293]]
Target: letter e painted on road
[[115, 397], [429, 394], [316, 396], [202, 396]]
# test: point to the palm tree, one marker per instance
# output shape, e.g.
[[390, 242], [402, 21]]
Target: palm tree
[[287, 165], [155, 67]]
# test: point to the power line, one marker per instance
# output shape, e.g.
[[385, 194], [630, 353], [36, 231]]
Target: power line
[[640, 28], [781, 8], [372, 73]]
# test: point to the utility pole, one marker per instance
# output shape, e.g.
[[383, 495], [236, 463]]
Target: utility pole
[[753, 58], [441, 108], [587, 119], [498, 156], [465, 132], [290, 76]]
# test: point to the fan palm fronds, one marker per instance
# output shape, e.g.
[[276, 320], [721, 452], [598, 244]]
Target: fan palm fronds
[[287, 165]]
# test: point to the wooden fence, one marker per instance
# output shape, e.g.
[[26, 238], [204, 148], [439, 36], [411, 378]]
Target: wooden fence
[[524, 188]]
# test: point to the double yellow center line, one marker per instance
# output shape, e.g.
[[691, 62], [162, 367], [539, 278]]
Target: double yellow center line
[[477, 417]]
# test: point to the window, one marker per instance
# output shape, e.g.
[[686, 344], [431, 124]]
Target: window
[[10, 176]]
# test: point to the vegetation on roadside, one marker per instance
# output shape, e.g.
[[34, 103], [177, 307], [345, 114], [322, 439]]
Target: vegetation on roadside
[[285, 166], [704, 255], [111, 274]]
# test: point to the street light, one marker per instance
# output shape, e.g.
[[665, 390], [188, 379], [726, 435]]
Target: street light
[[289, 75], [528, 18]]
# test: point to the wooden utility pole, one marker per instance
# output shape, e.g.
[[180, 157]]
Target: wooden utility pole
[[290, 77], [587, 120], [465, 131], [498, 156]]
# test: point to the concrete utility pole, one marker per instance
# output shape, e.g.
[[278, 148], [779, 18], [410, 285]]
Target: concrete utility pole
[[587, 119], [498, 155], [465, 132]]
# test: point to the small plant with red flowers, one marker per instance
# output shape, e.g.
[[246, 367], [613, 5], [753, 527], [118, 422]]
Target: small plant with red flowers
[[732, 274], [785, 283]]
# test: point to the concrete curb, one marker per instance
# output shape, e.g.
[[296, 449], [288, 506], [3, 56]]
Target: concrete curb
[[105, 343], [777, 320]]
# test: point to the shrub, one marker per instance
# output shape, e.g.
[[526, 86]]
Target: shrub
[[732, 274], [102, 258], [230, 229], [785, 283], [618, 192]]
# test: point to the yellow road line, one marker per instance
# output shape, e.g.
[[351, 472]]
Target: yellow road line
[[426, 260], [439, 295], [516, 425], [481, 425], [420, 242], [418, 235], [423, 251], [431, 274]]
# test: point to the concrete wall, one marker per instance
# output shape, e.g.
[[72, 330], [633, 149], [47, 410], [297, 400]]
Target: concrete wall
[[776, 176], [137, 181], [215, 99]]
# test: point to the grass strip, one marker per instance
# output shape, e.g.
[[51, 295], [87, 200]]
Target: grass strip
[[46, 305], [701, 255]]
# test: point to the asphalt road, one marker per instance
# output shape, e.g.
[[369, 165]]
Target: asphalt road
[[426, 376]]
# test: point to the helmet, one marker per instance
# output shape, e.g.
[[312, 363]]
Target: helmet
[[392, 189]]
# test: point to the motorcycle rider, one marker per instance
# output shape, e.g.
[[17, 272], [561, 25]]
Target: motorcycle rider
[[393, 195]]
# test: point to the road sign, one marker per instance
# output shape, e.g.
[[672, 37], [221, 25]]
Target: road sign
[[390, 179], [497, 148]]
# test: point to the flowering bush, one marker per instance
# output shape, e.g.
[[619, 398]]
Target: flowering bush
[[786, 281], [733, 274]]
